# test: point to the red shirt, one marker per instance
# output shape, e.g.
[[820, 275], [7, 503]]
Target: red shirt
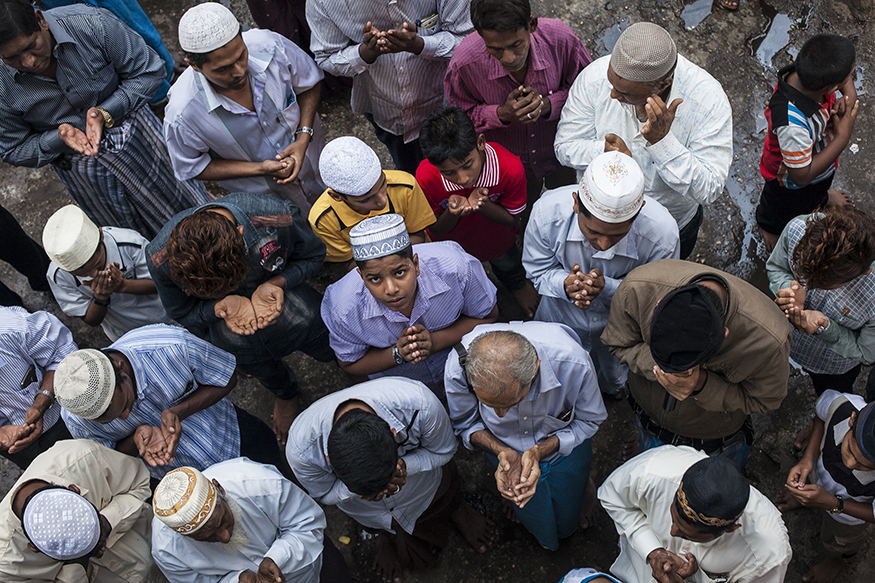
[[504, 176]]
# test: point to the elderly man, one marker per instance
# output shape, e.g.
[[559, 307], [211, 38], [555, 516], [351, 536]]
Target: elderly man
[[397, 54], [159, 392], [31, 347], [704, 350], [582, 241], [234, 272], [244, 113], [382, 452], [526, 394], [78, 514], [240, 521], [684, 516], [667, 113], [512, 77]]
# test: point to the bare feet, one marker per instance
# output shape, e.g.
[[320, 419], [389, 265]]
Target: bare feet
[[801, 441], [590, 510], [386, 563], [284, 412], [825, 571], [630, 446], [476, 528], [786, 502], [769, 239], [528, 299], [839, 198]]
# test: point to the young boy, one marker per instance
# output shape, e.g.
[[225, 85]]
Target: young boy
[[808, 129], [358, 188], [403, 308], [477, 191], [842, 449], [100, 273]]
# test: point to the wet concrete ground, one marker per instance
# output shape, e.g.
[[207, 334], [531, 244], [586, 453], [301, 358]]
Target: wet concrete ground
[[742, 50]]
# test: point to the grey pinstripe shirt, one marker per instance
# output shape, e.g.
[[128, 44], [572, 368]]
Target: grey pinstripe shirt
[[100, 62]]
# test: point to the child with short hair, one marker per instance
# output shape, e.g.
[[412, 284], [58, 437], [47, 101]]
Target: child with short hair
[[477, 191], [808, 129], [404, 306], [100, 273], [842, 451]]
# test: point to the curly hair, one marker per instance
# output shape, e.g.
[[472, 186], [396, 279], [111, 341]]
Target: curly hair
[[838, 245], [207, 255]]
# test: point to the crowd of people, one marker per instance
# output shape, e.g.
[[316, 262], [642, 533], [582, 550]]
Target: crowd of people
[[582, 184]]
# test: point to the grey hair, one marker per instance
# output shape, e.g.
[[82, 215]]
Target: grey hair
[[499, 356], [657, 84]]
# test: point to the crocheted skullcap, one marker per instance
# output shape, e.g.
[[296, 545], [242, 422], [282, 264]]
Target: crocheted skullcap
[[349, 166], [85, 383], [644, 52], [207, 27]]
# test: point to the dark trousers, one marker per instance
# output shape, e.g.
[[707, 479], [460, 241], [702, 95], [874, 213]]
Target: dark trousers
[[778, 204], [23, 458], [843, 383], [334, 568], [689, 234], [562, 176], [509, 269], [22, 253], [258, 443], [406, 156]]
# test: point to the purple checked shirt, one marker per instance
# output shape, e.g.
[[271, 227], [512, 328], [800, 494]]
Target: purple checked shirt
[[476, 82]]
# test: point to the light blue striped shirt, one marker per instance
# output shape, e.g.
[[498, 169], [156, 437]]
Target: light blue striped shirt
[[169, 365], [38, 339]]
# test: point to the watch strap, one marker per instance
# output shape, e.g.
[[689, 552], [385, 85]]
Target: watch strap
[[102, 303], [396, 356], [108, 121], [304, 130], [47, 393]]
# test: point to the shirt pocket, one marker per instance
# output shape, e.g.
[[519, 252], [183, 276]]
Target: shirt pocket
[[428, 25]]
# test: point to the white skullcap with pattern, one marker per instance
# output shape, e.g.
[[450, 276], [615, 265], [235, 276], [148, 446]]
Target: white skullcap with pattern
[[378, 237], [184, 500], [612, 188], [349, 166], [207, 27], [70, 238], [644, 52], [85, 383], [61, 524]]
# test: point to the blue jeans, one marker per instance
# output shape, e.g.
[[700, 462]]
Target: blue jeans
[[738, 453], [554, 511]]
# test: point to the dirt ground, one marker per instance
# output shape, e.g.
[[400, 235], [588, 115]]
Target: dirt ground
[[742, 50]]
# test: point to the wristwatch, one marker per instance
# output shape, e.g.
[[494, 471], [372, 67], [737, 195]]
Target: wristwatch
[[102, 303], [48, 394], [304, 130], [820, 329], [107, 118], [840, 505], [396, 356]]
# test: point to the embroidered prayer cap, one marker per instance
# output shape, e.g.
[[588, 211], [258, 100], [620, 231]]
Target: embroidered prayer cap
[[864, 432], [686, 329], [85, 383], [644, 52], [378, 237], [612, 188], [349, 166], [207, 27], [70, 238], [184, 500], [713, 493], [61, 524]]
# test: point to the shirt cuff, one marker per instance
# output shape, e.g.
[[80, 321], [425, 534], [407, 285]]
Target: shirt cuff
[[557, 100], [610, 288], [430, 47], [567, 442], [832, 332], [51, 143], [358, 64], [645, 541], [115, 107], [666, 149], [467, 433]]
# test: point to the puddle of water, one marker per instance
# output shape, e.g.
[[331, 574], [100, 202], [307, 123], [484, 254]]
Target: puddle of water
[[693, 14], [750, 266], [859, 77], [777, 37], [610, 36]]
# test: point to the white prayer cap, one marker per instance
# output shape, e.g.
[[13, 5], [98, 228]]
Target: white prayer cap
[[184, 500], [349, 166], [207, 27], [70, 238], [378, 237], [612, 188], [85, 383], [61, 524], [644, 52]]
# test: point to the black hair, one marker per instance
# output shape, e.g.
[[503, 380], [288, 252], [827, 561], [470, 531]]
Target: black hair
[[825, 60], [17, 18], [406, 253], [200, 59], [362, 451], [715, 487], [447, 134], [501, 15]]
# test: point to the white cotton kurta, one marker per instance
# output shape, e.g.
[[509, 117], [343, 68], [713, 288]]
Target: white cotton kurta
[[118, 486], [280, 520], [638, 497]]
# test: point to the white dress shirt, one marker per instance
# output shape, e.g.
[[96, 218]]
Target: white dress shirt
[[425, 442], [638, 497], [686, 168], [280, 521]]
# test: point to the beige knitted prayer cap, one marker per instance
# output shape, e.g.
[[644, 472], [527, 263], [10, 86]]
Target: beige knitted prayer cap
[[85, 383], [70, 238], [612, 188], [644, 52], [207, 27], [184, 500]]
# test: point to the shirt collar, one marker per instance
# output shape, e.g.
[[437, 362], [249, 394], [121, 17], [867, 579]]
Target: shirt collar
[[257, 69], [546, 379], [348, 216], [59, 33], [625, 247], [488, 174]]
